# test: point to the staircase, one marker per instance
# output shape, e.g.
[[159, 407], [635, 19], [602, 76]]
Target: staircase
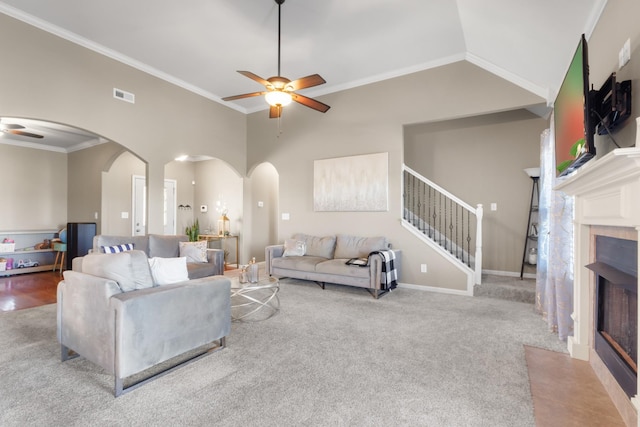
[[444, 222]]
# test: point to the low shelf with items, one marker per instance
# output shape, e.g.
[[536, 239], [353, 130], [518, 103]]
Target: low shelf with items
[[21, 253]]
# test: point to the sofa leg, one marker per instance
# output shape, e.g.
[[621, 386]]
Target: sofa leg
[[377, 293], [321, 284], [119, 388], [66, 353]]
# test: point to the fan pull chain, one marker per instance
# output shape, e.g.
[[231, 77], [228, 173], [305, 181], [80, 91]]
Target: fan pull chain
[[279, 126]]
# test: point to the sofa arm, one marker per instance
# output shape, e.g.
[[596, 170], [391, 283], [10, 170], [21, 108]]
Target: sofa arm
[[271, 252], [155, 324], [216, 257], [375, 269], [83, 316]]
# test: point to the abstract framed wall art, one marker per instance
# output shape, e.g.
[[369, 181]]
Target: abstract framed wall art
[[354, 183]]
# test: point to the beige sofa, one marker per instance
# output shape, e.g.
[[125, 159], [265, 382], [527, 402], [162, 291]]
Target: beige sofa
[[113, 313], [324, 260]]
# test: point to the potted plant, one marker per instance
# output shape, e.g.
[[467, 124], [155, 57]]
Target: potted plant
[[193, 231]]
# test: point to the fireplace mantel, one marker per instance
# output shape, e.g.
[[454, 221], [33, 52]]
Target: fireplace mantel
[[606, 193], [606, 190]]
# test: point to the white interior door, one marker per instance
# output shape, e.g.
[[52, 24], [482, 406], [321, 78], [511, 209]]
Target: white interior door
[[170, 206], [138, 219], [139, 204]]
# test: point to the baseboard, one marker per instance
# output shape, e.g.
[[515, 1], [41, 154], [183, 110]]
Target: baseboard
[[435, 289], [508, 274]]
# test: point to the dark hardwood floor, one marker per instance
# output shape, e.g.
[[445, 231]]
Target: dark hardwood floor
[[564, 389], [28, 290]]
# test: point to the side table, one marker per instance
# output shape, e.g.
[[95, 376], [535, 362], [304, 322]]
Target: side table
[[214, 237]]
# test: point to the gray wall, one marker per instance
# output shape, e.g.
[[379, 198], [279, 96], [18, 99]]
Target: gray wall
[[481, 159], [617, 24], [371, 119], [75, 88], [33, 190]]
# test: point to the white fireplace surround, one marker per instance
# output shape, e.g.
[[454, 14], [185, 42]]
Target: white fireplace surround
[[607, 196]]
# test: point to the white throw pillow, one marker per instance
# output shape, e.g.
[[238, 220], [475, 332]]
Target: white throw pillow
[[166, 271], [293, 247], [194, 251]]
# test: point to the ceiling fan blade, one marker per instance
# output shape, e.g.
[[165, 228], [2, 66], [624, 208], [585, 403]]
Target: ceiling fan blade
[[310, 102], [274, 112], [13, 126], [21, 133], [246, 95], [255, 78], [305, 82]]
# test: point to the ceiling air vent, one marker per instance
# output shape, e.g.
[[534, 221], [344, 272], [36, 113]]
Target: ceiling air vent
[[124, 96]]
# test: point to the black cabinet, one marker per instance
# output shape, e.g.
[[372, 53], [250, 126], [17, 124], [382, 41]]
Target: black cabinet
[[79, 239]]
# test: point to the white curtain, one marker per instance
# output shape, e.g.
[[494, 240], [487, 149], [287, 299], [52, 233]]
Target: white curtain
[[554, 280]]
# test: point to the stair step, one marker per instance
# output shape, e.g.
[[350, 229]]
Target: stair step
[[507, 288]]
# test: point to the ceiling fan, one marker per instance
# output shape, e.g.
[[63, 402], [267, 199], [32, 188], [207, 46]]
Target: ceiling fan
[[15, 129], [280, 91]]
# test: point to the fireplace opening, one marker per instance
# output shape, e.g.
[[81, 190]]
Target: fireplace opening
[[616, 309]]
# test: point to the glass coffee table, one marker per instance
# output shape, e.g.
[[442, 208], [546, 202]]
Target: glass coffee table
[[254, 301]]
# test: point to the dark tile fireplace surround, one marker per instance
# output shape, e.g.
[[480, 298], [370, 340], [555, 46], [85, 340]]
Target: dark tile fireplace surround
[[616, 308]]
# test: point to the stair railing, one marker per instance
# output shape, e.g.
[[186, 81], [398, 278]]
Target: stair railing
[[445, 219]]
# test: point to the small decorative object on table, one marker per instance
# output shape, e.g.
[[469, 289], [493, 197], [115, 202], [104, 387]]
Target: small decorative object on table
[[252, 270], [223, 224], [243, 274]]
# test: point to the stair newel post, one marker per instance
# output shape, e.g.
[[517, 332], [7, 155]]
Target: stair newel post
[[478, 263]]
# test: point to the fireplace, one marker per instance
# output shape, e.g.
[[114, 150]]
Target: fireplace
[[616, 308], [607, 204]]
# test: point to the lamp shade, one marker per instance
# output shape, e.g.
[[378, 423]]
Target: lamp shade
[[278, 98], [532, 172]]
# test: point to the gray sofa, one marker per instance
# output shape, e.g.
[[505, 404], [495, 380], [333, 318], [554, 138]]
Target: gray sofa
[[324, 260], [113, 314], [165, 246]]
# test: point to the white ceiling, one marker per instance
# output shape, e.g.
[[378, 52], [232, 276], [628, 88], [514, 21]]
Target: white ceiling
[[200, 44]]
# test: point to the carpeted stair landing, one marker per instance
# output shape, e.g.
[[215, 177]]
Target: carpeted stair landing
[[507, 288]]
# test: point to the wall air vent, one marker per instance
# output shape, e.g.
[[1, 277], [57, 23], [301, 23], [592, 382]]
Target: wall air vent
[[124, 96]]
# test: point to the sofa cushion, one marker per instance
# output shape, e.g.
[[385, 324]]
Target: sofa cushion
[[165, 246], [129, 269], [339, 268], [300, 263], [318, 246], [166, 271], [194, 251], [358, 247], [198, 270], [293, 247]]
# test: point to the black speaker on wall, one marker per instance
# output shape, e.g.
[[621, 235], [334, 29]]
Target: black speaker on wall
[[79, 239]]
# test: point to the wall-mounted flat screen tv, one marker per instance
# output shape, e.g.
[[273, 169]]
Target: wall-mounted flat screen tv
[[574, 132]]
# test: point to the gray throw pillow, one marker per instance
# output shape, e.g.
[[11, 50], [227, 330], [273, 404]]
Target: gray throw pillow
[[293, 247]]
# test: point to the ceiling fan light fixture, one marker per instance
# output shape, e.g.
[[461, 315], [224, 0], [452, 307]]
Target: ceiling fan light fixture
[[278, 98]]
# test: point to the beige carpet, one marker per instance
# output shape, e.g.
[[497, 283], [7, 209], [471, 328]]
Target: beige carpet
[[330, 357]]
